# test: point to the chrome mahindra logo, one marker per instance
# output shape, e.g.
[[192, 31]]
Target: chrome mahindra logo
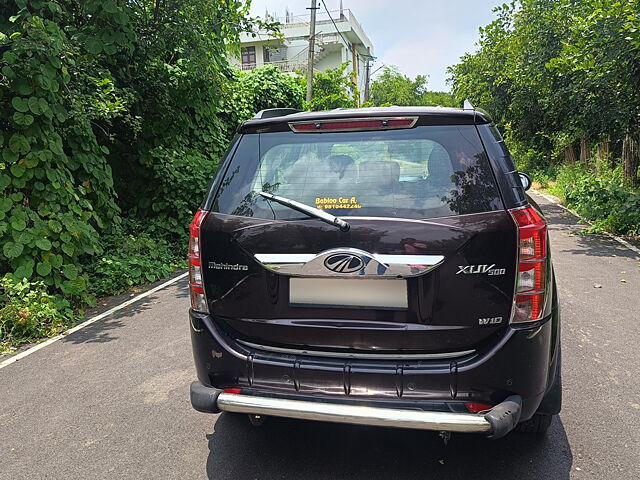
[[344, 263]]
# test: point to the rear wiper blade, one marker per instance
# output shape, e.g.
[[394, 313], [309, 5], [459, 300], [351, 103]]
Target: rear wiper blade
[[309, 210]]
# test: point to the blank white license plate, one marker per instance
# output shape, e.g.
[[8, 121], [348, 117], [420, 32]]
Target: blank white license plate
[[348, 293]]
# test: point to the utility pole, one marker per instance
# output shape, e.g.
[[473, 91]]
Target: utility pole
[[367, 77], [312, 41]]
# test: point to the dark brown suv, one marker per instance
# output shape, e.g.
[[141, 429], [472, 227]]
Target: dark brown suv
[[376, 266]]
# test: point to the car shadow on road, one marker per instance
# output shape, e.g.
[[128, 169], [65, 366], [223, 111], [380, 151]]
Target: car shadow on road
[[594, 245], [293, 449], [102, 331], [600, 246]]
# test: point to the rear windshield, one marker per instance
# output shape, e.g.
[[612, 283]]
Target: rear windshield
[[423, 172]]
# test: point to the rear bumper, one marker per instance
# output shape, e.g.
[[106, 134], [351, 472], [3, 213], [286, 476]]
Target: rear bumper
[[496, 423], [518, 365]]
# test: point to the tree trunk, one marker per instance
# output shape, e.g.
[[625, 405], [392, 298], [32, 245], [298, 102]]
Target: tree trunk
[[604, 152], [604, 147], [631, 158], [585, 150], [569, 154]]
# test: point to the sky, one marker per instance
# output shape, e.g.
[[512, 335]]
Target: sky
[[422, 37]]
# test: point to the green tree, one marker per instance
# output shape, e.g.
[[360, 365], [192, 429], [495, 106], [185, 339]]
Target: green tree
[[602, 57], [332, 89], [553, 72], [258, 89], [392, 87]]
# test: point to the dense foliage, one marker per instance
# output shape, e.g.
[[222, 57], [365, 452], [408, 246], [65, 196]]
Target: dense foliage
[[332, 88], [127, 262], [108, 109], [392, 87], [562, 79], [264, 87], [113, 110]]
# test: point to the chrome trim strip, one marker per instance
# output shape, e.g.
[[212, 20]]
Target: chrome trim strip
[[409, 259], [364, 356], [286, 258], [354, 414], [283, 258], [370, 265]]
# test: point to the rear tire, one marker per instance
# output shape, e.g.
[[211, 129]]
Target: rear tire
[[539, 423]]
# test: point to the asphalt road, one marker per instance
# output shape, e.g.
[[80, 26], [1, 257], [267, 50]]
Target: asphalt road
[[111, 400]]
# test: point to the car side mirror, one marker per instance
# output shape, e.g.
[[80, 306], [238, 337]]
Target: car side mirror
[[525, 180]]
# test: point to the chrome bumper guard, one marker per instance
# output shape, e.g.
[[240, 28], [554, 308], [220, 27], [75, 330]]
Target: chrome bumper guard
[[495, 423], [359, 415]]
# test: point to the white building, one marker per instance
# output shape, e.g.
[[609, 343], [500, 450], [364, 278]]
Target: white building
[[339, 38]]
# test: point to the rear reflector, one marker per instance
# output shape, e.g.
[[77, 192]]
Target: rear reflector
[[532, 265], [353, 124], [196, 286], [477, 407], [232, 390]]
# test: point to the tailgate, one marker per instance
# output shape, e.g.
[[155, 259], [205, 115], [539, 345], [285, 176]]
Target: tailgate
[[443, 285]]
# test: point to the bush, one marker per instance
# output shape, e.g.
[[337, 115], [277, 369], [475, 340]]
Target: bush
[[28, 313], [55, 183], [258, 89], [132, 259], [601, 199]]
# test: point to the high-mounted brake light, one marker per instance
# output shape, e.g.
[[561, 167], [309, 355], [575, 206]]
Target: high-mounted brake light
[[532, 264], [196, 286], [353, 124]]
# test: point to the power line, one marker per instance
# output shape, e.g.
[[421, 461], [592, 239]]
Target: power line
[[357, 56], [336, 27]]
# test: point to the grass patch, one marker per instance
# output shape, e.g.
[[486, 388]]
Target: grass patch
[[28, 313]]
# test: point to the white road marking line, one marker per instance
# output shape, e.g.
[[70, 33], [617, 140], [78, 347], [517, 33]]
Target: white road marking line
[[556, 201], [86, 323]]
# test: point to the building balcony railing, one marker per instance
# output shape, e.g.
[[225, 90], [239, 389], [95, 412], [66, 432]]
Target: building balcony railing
[[285, 66], [321, 16], [338, 16]]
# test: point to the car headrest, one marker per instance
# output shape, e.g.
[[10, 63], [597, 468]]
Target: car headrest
[[341, 164], [439, 168], [379, 173]]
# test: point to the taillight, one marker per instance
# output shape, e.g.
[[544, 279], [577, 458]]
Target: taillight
[[532, 264], [196, 286]]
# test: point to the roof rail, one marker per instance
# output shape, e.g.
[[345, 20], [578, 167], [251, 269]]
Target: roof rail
[[467, 105], [275, 112]]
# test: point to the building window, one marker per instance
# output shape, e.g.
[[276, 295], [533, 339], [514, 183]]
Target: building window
[[266, 54], [248, 58]]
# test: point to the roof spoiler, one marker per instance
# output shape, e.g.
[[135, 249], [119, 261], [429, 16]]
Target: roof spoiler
[[275, 112], [467, 105]]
